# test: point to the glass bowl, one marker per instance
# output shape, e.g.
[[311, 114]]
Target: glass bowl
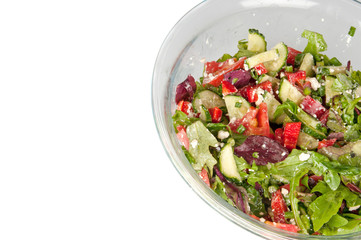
[[213, 28]]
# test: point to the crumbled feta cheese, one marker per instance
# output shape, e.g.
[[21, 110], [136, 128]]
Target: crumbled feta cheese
[[259, 93], [282, 74], [348, 91], [292, 221], [283, 154], [263, 146], [314, 83], [262, 219], [354, 208], [284, 191], [223, 134], [304, 156], [194, 143]]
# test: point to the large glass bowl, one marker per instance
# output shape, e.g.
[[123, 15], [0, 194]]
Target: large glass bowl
[[213, 28]]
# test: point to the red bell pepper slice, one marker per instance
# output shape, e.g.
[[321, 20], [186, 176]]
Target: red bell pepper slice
[[279, 207], [291, 132], [284, 226], [326, 143], [313, 107], [216, 114], [260, 69], [182, 136], [185, 107], [298, 77], [263, 127], [267, 86], [228, 88], [292, 53], [214, 71], [251, 94], [204, 176]]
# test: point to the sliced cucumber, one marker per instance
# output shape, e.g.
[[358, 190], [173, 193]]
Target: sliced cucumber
[[307, 141], [288, 91], [205, 115], [307, 65], [208, 99], [330, 70], [256, 41], [329, 92], [265, 77], [275, 65], [263, 57], [237, 106], [310, 125], [272, 104], [227, 164]]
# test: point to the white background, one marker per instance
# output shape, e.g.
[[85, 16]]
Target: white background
[[80, 156]]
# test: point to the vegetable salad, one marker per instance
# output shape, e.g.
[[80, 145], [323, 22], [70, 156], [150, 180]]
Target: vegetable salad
[[277, 134]]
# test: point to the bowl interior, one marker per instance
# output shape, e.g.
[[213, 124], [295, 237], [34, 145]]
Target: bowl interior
[[213, 28]]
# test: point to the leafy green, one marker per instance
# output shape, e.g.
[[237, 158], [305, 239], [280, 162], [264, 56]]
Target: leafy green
[[337, 221], [324, 207], [243, 52], [351, 227], [316, 42], [356, 77], [180, 118], [342, 83], [255, 201], [352, 133], [200, 139], [218, 187], [287, 105], [224, 58]]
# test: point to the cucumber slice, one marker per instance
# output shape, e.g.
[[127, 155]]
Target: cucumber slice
[[265, 77], [235, 111], [307, 65], [306, 141], [227, 164], [330, 70], [272, 104], [205, 115], [276, 65], [329, 92], [256, 41], [310, 125], [288, 91], [208, 99], [263, 57]]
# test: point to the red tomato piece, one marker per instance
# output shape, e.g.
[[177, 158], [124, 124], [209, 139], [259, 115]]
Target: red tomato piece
[[251, 94], [216, 114], [263, 128], [292, 53], [204, 175], [279, 136], [182, 136], [284, 226], [291, 132], [326, 143], [214, 71], [313, 107], [278, 206], [298, 77], [228, 88], [185, 107], [267, 86], [260, 69]]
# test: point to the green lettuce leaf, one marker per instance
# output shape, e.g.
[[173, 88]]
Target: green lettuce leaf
[[200, 139], [316, 42]]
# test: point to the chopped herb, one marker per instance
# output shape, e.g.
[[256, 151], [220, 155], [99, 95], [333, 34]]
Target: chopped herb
[[352, 31]]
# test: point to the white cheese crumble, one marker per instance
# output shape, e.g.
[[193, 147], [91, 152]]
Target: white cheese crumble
[[262, 219], [314, 83], [292, 221], [304, 156], [223, 134], [348, 91], [354, 208], [284, 191], [259, 93], [194, 143]]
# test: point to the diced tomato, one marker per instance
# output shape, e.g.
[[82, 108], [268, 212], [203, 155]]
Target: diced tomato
[[214, 71], [291, 132], [249, 120], [286, 186], [326, 143], [298, 77], [260, 69], [263, 128], [185, 107], [216, 114], [267, 86], [313, 107], [251, 94], [284, 226], [278, 206], [279, 136], [292, 53], [228, 88], [182, 136], [204, 175], [316, 233]]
